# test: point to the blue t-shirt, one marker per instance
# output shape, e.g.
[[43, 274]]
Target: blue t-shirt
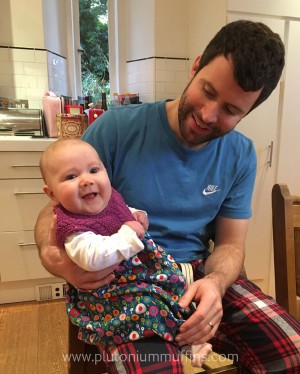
[[182, 190]]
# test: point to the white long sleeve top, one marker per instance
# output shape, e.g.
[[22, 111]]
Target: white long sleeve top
[[94, 252]]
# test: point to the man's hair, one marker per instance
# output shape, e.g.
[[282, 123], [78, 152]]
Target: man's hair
[[257, 54]]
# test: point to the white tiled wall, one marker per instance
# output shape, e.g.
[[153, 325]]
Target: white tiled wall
[[24, 74], [157, 79], [140, 78], [58, 73]]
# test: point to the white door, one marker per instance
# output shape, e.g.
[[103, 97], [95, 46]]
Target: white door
[[289, 153], [261, 126]]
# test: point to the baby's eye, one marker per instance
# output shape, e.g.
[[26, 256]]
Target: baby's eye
[[94, 170], [70, 177]]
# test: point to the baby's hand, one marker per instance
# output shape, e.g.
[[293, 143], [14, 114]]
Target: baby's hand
[[137, 227], [142, 218]]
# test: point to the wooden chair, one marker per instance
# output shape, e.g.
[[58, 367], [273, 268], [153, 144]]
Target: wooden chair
[[89, 355], [286, 240]]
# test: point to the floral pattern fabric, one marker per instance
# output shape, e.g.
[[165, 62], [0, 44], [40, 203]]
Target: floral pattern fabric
[[142, 301]]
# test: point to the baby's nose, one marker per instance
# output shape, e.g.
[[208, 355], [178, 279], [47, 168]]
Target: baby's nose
[[86, 181]]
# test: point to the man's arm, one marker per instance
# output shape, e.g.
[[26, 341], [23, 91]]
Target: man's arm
[[41, 233], [56, 260], [225, 263], [222, 268]]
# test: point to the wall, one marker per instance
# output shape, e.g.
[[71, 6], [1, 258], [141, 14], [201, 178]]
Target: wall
[[23, 62], [20, 26], [156, 61], [54, 15], [163, 37], [33, 55], [153, 43], [140, 40], [140, 29], [54, 25], [205, 18]]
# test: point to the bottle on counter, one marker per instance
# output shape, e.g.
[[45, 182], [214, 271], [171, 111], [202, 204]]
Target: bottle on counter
[[115, 101], [104, 102], [127, 99]]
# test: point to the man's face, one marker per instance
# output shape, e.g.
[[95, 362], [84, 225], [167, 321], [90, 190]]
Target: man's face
[[212, 104]]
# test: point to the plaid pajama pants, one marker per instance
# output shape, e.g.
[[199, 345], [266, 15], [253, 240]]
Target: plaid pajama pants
[[255, 331]]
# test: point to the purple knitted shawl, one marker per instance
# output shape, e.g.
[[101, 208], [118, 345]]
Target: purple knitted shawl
[[107, 222]]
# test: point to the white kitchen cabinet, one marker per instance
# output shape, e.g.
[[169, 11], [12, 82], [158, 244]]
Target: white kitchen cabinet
[[18, 256], [273, 123], [21, 199]]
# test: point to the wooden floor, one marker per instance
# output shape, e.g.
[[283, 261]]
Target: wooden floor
[[33, 338]]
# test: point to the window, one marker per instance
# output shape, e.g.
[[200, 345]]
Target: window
[[93, 20]]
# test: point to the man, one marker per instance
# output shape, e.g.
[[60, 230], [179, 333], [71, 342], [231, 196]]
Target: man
[[182, 162]]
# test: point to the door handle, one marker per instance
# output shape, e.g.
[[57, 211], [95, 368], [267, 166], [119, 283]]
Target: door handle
[[28, 193], [270, 154], [26, 244], [24, 166]]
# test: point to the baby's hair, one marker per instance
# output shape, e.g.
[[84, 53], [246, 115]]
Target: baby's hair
[[46, 155]]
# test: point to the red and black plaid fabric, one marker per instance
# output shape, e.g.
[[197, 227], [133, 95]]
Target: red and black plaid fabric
[[147, 356], [255, 331]]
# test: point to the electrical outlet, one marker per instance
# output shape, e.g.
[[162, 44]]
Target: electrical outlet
[[50, 291]]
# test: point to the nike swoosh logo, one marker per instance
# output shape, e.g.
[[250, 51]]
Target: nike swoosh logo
[[209, 192]]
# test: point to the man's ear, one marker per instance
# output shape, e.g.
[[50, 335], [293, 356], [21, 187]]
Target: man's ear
[[49, 192], [195, 67]]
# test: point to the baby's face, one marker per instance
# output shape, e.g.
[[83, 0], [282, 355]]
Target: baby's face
[[79, 180]]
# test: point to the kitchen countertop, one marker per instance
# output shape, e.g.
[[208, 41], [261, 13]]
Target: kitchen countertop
[[12, 143]]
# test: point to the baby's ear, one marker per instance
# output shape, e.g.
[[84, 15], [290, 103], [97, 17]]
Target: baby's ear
[[49, 192]]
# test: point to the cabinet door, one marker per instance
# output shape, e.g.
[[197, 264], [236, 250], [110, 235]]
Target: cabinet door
[[261, 126], [19, 259], [16, 165], [21, 201]]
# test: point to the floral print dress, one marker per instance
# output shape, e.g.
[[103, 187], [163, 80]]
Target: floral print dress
[[142, 301]]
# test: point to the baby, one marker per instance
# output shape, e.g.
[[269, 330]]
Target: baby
[[98, 230]]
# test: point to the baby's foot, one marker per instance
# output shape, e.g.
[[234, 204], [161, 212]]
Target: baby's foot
[[200, 353]]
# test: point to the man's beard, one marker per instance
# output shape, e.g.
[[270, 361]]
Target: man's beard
[[185, 109]]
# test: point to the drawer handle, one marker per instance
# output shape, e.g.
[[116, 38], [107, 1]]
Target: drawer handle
[[24, 166], [29, 193], [26, 244]]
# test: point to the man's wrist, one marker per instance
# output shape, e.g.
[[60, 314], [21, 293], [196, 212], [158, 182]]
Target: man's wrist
[[220, 281]]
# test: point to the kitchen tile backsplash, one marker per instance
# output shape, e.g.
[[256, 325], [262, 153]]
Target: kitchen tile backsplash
[[158, 78], [27, 73]]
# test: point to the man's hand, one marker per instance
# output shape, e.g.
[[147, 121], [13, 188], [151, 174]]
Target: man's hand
[[222, 268], [58, 263], [204, 322], [137, 227]]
